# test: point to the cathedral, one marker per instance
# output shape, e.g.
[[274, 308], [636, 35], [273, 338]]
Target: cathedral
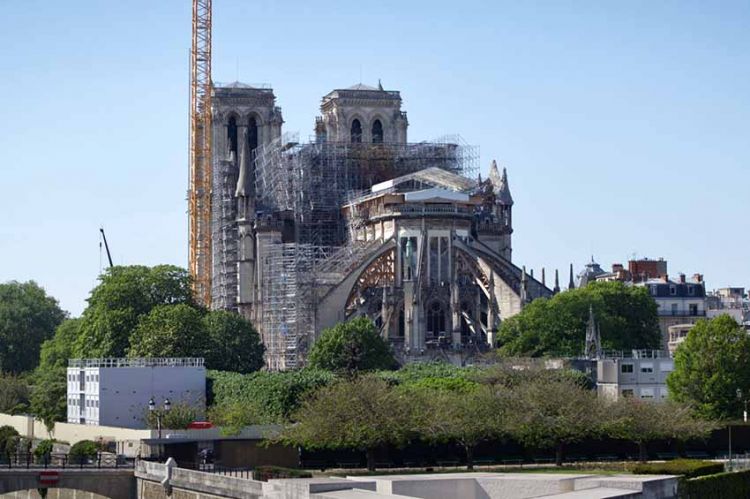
[[358, 221]]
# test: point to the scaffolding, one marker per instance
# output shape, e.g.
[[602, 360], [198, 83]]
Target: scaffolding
[[309, 183], [224, 239]]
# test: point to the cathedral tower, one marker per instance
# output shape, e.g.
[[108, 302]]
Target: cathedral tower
[[244, 119], [362, 114]]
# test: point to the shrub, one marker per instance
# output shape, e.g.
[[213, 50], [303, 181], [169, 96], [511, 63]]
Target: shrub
[[83, 450], [719, 486], [275, 394], [265, 473], [688, 468], [43, 449], [8, 440]]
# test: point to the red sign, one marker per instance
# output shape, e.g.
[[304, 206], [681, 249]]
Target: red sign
[[49, 477], [200, 425]]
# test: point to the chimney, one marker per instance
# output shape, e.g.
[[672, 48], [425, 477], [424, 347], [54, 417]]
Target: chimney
[[682, 278], [617, 267], [698, 277], [665, 277]]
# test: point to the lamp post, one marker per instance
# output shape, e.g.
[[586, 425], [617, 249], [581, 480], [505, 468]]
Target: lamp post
[[158, 414]]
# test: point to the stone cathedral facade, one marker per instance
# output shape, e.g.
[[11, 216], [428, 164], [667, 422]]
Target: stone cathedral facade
[[358, 221]]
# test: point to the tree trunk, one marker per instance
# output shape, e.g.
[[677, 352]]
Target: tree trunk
[[642, 452], [370, 459], [469, 457], [559, 454]]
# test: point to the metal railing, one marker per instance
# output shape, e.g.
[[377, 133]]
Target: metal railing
[[64, 461], [138, 362]]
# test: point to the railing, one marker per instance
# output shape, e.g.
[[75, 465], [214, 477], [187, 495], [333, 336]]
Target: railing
[[680, 313], [138, 362], [64, 461]]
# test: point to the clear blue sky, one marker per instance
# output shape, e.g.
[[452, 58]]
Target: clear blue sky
[[623, 125]]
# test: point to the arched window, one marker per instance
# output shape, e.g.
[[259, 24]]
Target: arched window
[[232, 134], [252, 135], [356, 131], [377, 132], [435, 318]]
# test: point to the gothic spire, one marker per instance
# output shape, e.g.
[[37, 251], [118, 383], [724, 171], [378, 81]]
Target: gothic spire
[[556, 289], [500, 183], [544, 280], [571, 283], [244, 180], [593, 348]]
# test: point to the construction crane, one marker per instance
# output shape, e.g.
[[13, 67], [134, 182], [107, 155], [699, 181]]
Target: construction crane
[[199, 194], [106, 246]]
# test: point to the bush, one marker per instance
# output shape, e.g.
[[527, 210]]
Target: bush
[[274, 395], [8, 440], [83, 451], [265, 473], [688, 468], [720, 486], [43, 450]]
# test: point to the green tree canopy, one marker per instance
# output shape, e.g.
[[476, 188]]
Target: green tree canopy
[[644, 421], [554, 412], [466, 417], [234, 343], [14, 394], [28, 316], [557, 326], [363, 413], [710, 366], [350, 347], [170, 331], [124, 295], [48, 397]]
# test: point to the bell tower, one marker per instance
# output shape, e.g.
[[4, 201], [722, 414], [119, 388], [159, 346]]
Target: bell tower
[[362, 114], [245, 118]]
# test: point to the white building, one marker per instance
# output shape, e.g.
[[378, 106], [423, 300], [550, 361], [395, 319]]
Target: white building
[[640, 373], [116, 392]]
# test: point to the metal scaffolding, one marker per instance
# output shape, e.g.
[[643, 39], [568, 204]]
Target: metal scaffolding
[[224, 240], [309, 183]]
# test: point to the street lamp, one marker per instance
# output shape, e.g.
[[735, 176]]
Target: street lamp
[[158, 414]]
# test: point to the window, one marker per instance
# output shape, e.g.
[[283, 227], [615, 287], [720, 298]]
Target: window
[[672, 290], [232, 134], [693, 309], [627, 392], [377, 132], [691, 290], [435, 318], [647, 393], [626, 368], [674, 309], [356, 131], [647, 368]]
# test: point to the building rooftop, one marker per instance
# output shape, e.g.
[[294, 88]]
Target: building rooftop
[[138, 362]]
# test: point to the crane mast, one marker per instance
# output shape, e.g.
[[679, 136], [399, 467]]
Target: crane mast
[[199, 194]]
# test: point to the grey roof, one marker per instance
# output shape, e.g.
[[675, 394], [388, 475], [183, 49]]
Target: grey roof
[[362, 86]]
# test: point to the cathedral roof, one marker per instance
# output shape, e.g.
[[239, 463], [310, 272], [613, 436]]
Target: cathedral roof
[[432, 177]]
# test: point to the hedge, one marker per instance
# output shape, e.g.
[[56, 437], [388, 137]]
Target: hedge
[[688, 468], [265, 473], [730, 485]]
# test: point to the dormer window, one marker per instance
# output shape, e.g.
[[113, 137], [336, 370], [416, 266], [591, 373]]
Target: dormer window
[[672, 290]]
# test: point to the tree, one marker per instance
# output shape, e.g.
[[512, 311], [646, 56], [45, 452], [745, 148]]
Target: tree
[[124, 295], [28, 316], [49, 392], [350, 347], [178, 417], [554, 413], [464, 417], [363, 413], [643, 421], [170, 331], [710, 366], [557, 326], [234, 343], [8, 440], [14, 394]]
